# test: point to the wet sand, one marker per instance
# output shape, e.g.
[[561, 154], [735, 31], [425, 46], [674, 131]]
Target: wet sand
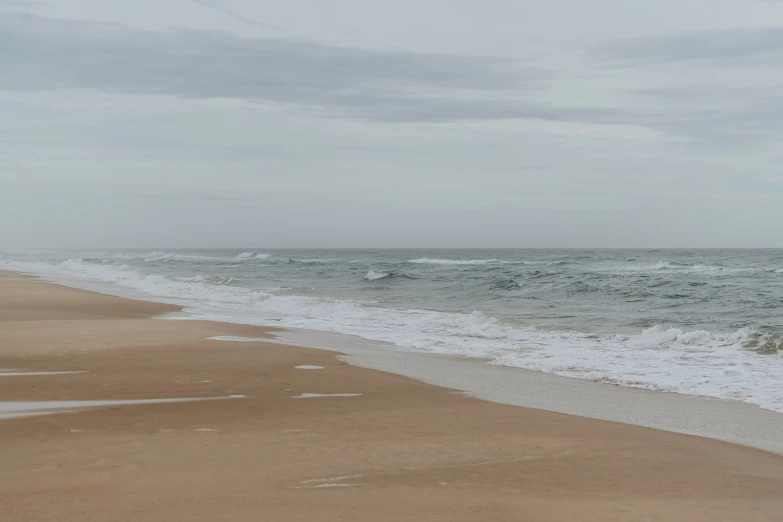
[[330, 443]]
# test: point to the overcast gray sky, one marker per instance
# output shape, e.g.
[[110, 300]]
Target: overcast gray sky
[[356, 123]]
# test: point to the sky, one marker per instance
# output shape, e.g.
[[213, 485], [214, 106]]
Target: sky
[[355, 123]]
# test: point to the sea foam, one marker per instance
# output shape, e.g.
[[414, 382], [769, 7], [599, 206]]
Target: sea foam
[[375, 276], [246, 256], [429, 261], [741, 364]]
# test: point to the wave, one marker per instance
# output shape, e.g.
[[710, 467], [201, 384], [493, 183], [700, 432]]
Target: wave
[[438, 261], [313, 261], [150, 257], [660, 265], [435, 261], [372, 275], [504, 284], [208, 279], [743, 364], [673, 267], [376, 276], [710, 268], [246, 256], [166, 257], [188, 291]]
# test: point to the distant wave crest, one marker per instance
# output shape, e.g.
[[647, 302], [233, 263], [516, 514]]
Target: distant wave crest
[[310, 261], [246, 256], [456, 262], [431, 261], [166, 256], [681, 267], [375, 276]]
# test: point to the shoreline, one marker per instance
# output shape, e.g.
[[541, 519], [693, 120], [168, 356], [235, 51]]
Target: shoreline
[[730, 421], [720, 419], [294, 433]]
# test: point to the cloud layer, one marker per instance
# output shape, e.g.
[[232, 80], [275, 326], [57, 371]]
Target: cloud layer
[[728, 47], [395, 86], [233, 122], [381, 85]]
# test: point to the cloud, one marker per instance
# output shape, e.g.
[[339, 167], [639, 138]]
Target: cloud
[[19, 4], [46, 54], [238, 16], [728, 47], [715, 115]]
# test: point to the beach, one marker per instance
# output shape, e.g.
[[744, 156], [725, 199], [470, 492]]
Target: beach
[[293, 433]]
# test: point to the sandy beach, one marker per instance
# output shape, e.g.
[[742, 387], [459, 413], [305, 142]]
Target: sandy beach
[[292, 433]]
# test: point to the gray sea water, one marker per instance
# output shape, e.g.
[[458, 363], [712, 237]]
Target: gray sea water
[[702, 322]]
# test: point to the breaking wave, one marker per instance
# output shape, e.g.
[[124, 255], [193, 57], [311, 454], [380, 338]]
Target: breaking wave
[[207, 280], [740, 364], [675, 267], [246, 256], [312, 261], [429, 261], [375, 276], [437, 261], [165, 257]]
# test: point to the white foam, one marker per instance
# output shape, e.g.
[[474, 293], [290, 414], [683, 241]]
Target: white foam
[[457, 262], [435, 261], [208, 279], [316, 260], [714, 364], [675, 267], [246, 256], [309, 367], [375, 276], [188, 291], [316, 395], [165, 257]]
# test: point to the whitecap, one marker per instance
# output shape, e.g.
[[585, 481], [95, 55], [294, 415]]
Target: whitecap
[[246, 256], [436, 261], [375, 276], [741, 364]]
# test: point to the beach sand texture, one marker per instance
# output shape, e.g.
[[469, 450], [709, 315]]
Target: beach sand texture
[[365, 445]]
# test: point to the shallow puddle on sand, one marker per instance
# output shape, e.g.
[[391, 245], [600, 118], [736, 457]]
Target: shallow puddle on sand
[[314, 395], [15, 409], [21, 373], [235, 339]]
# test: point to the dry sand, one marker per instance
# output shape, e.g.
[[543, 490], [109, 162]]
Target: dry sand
[[385, 448]]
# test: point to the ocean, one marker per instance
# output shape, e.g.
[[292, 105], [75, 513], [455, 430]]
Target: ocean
[[698, 322]]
